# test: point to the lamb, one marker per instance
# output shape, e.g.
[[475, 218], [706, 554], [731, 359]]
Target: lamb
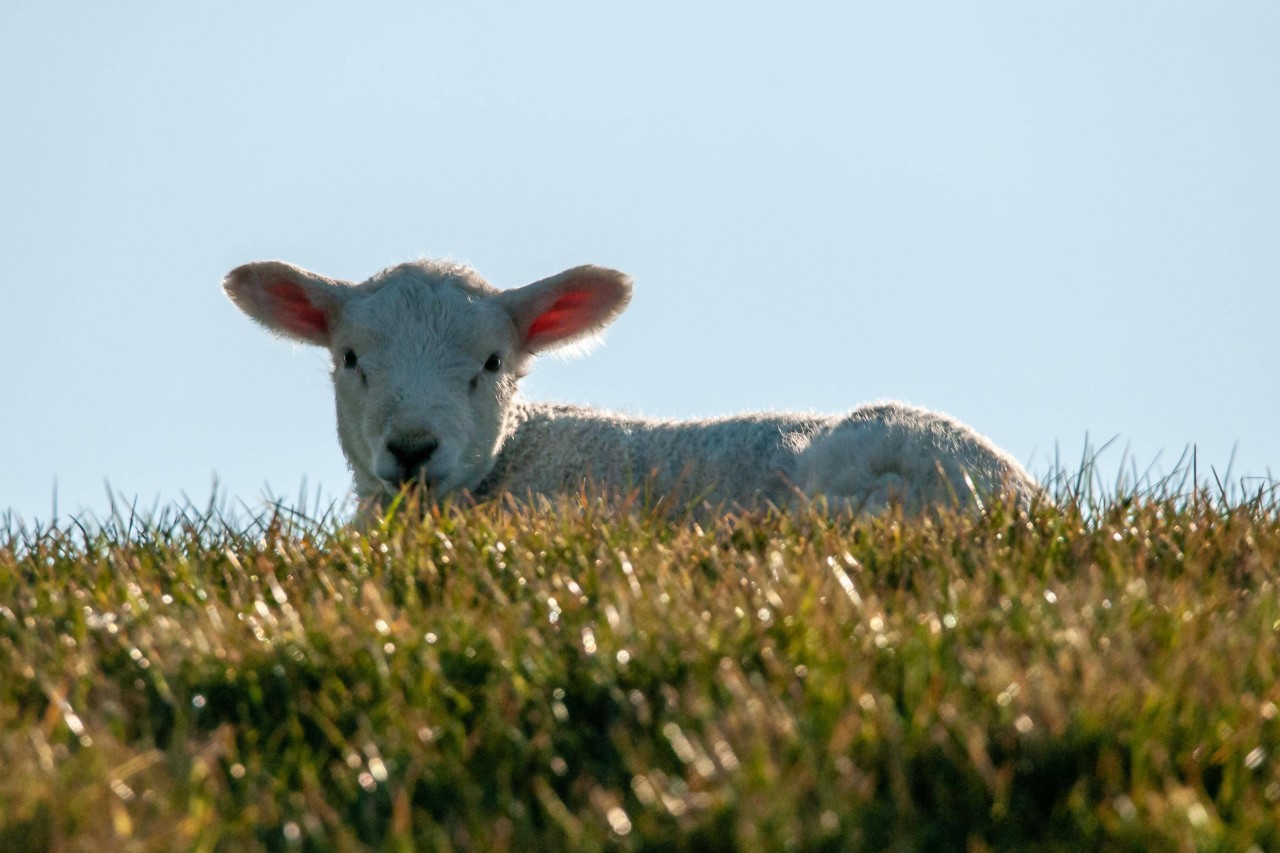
[[427, 357]]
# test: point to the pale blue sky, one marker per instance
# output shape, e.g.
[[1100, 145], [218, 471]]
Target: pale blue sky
[[1046, 220]]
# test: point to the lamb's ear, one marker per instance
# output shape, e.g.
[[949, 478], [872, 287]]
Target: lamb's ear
[[567, 307], [286, 299]]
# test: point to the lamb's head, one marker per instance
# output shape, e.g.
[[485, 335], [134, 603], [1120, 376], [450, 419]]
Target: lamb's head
[[426, 356]]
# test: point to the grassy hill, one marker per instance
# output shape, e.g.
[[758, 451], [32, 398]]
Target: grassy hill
[[580, 677]]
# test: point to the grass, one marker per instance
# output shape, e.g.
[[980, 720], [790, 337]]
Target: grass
[[589, 677]]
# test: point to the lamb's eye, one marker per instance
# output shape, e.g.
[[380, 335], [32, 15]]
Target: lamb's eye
[[348, 358], [494, 364]]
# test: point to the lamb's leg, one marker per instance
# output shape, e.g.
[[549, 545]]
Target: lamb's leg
[[866, 465]]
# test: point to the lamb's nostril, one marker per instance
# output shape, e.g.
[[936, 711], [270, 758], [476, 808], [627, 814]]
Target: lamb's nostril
[[412, 453]]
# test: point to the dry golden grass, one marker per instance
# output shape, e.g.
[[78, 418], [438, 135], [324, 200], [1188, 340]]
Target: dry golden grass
[[583, 677]]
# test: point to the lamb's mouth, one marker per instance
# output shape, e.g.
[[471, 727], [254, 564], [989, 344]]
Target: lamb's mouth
[[424, 483]]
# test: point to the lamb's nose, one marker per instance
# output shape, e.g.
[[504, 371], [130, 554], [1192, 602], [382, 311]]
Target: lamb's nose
[[411, 453]]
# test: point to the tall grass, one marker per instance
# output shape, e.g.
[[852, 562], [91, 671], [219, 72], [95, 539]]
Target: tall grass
[[584, 675]]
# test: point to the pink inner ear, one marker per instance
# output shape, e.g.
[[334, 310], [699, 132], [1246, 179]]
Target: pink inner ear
[[296, 313], [565, 317]]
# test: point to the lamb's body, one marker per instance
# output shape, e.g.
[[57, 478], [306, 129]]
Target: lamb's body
[[864, 460], [427, 357], [553, 449]]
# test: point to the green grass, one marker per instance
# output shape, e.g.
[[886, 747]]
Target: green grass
[[581, 678]]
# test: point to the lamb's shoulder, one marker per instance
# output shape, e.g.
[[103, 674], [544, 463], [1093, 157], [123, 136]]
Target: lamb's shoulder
[[550, 448]]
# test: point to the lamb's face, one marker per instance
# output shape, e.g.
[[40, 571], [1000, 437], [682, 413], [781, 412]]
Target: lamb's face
[[424, 370], [426, 357]]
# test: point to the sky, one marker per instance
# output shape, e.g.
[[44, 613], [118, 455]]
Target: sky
[[1059, 223]]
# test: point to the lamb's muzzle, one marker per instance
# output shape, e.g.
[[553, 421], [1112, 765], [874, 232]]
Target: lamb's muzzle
[[411, 453]]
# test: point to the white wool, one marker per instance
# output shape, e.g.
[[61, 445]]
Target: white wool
[[427, 357]]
